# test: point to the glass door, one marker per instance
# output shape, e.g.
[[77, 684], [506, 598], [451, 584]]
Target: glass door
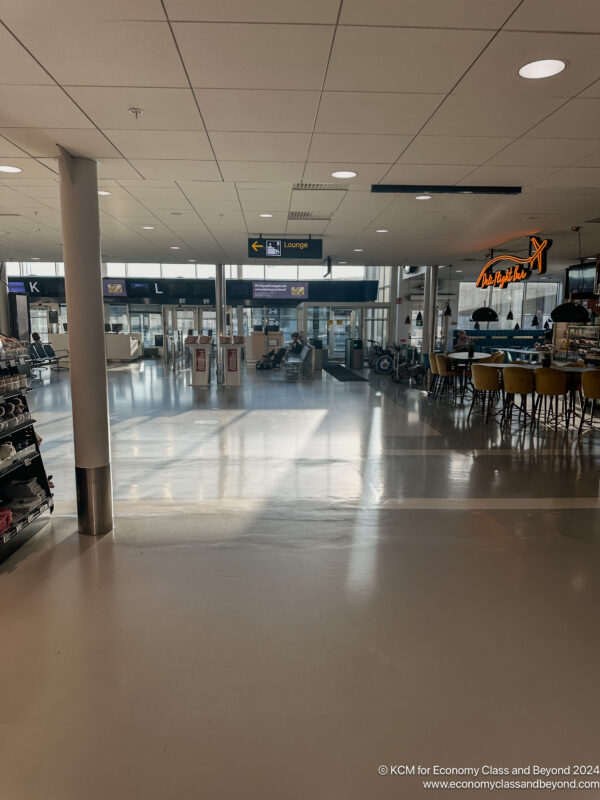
[[345, 323], [147, 324]]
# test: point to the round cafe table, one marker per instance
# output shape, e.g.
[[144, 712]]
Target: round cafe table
[[465, 357]]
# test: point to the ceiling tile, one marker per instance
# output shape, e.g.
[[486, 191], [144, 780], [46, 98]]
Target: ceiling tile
[[507, 176], [545, 152], [86, 52], [266, 198], [262, 170], [16, 65], [365, 148], [177, 169], [427, 13], [573, 177], [266, 56], [577, 119], [256, 110], [86, 142], [319, 201], [162, 144], [314, 11], [7, 149], [31, 169], [208, 192], [592, 160], [427, 173], [375, 112], [238, 146], [497, 115], [579, 16], [384, 59], [164, 109], [497, 68], [39, 107], [313, 227], [453, 149]]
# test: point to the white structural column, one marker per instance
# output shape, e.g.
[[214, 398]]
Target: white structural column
[[89, 391], [392, 327], [220, 315], [430, 309], [240, 308]]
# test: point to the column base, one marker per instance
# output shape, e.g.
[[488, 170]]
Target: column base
[[94, 500]]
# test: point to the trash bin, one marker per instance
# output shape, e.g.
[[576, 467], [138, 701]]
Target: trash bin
[[354, 354], [317, 353]]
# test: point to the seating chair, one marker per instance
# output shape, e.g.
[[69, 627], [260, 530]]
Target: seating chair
[[447, 376], [498, 358], [550, 383], [486, 385], [516, 381], [590, 386], [435, 375]]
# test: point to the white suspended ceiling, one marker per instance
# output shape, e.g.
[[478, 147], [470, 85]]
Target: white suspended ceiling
[[246, 98]]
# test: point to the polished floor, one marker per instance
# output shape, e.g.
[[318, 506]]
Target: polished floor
[[305, 582]]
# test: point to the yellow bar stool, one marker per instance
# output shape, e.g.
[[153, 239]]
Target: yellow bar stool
[[486, 385], [448, 376], [435, 374], [550, 385], [516, 381], [590, 386]]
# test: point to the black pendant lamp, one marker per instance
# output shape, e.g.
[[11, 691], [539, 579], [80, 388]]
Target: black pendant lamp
[[517, 327], [448, 310], [535, 321], [419, 320], [571, 312], [407, 320], [510, 316], [546, 326], [484, 314], [476, 326]]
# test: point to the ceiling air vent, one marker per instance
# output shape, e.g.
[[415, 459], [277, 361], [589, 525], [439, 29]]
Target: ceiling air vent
[[9, 215], [308, 215], [589, 221], [321, 187]]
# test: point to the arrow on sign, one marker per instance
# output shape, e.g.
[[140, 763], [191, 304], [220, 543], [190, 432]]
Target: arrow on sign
[[255, 246]]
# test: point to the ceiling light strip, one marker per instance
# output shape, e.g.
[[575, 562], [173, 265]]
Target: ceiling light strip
[[405, 188]]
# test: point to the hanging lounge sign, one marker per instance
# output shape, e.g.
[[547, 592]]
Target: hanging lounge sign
[[518, 269]]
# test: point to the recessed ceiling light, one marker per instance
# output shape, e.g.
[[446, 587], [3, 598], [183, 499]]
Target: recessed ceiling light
[[175, 247], [265, 215], [381, 230], [358, 250], [35, 258], [423, 197], [545, 68], [147, 227], [343, 262], [344, 173], [176, 213], [103, 193], [5, 168], [458, 270], [192, 260]]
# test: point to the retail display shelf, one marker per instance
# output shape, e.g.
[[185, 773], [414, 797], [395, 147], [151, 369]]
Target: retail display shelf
[[14, 393], [16, 463], [12, 429], [46, 505]]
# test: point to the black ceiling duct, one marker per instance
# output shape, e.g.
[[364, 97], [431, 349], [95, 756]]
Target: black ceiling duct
[[484, 314], [410, 188], [571, 312]]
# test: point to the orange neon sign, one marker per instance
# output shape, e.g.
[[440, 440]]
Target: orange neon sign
[[520, 269]]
